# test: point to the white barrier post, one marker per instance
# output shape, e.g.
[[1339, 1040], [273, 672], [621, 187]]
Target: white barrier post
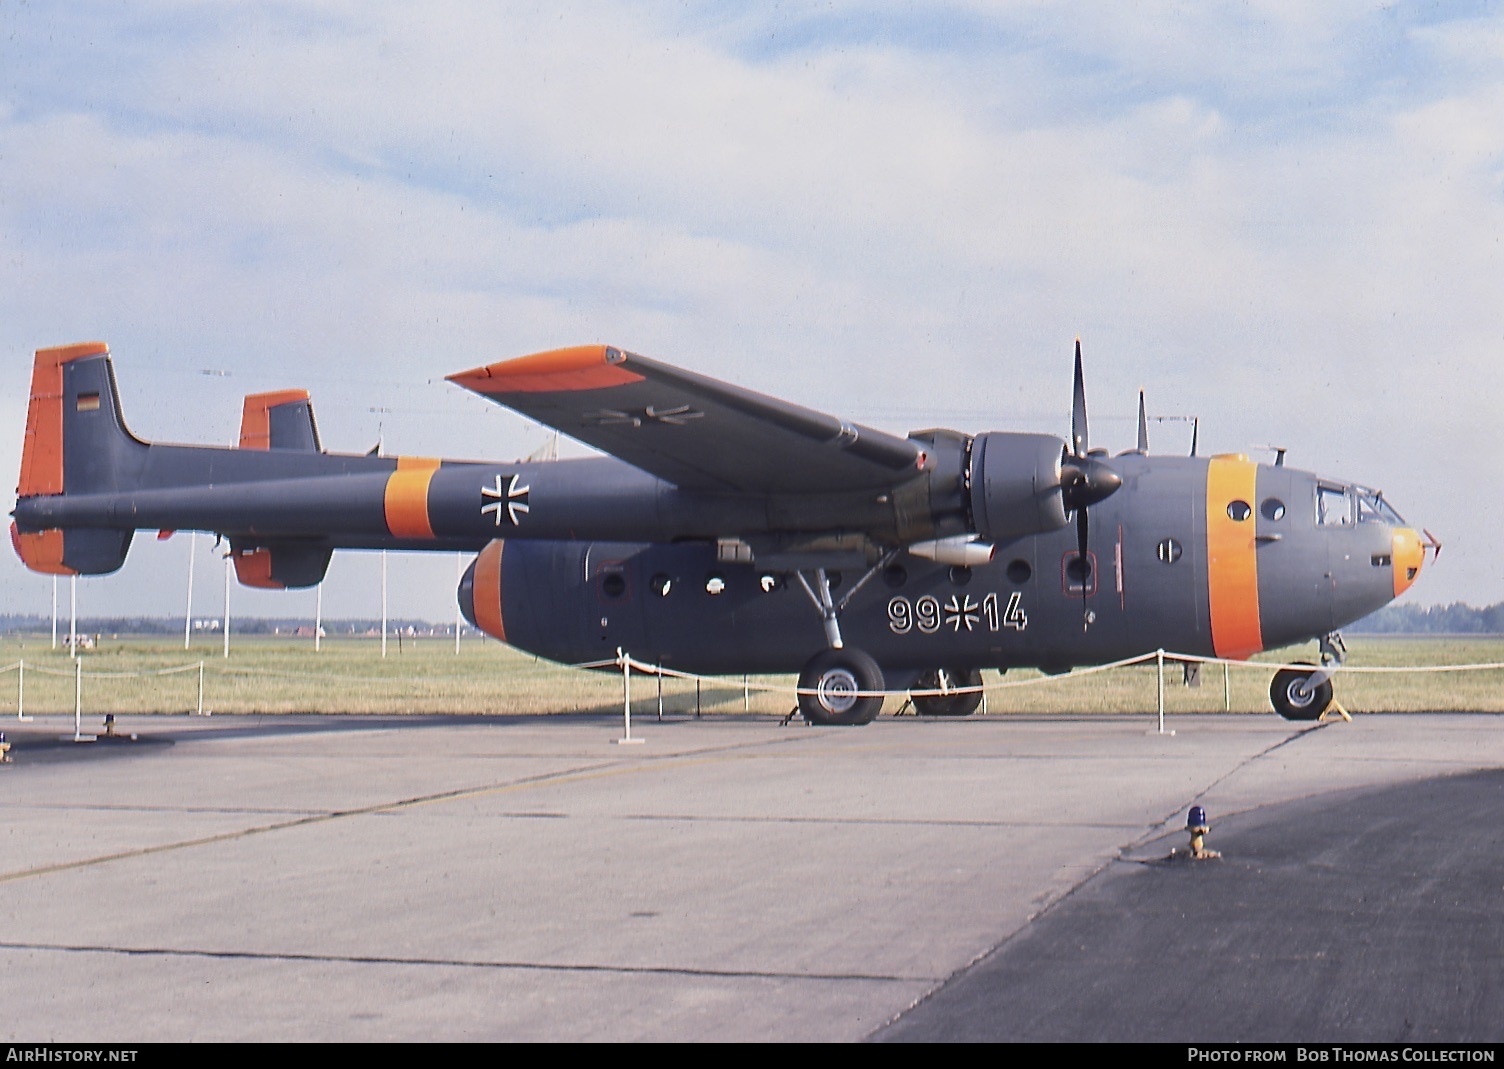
[[21, 691], [78, 703], [228, 566], [626, 693], [1226, 687], [200, 688], [1159, 661], [188, 612]]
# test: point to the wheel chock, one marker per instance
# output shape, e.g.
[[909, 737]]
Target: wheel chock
[[1343, 713]]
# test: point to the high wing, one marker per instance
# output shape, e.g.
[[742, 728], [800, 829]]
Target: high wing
[[693, 431]]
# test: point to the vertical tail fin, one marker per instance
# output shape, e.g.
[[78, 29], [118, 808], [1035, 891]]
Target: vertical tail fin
[[76, 443], [282, 419]]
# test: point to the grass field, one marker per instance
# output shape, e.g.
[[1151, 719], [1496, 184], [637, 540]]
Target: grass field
[[270, 675]]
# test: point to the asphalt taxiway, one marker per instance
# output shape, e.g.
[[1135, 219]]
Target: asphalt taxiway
[[501, 878]]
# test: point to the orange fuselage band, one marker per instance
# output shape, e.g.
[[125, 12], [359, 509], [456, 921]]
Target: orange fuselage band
[[407, 497], [1232, 568]]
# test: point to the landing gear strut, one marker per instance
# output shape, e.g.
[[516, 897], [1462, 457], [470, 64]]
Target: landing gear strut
[[1297, 694], [840, 685]]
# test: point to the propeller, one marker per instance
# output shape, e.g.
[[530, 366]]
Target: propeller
[[1084, 479]]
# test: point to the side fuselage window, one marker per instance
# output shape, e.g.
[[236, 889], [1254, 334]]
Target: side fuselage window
[[1334, 506]]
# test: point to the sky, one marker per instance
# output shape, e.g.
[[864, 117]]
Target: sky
[[1281, 218]]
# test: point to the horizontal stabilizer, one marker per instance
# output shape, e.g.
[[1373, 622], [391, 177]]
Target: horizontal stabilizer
[[280, 566], [74, 551]]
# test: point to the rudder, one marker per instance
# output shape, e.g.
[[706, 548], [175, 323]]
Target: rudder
[[76, 443]]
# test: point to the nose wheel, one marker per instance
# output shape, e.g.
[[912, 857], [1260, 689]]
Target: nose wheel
[[1298, 695]]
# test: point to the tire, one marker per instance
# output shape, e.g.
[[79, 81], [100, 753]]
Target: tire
[[948, 704], [1293, 701], [829, 687]]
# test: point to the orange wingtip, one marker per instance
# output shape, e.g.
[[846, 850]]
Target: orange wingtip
[[41, 551], [583, 367]]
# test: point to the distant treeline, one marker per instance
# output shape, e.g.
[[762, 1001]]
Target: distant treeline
[[11, 623], [1453, 619]]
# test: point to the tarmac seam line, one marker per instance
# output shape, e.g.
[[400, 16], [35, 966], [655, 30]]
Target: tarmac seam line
[[462, 963]]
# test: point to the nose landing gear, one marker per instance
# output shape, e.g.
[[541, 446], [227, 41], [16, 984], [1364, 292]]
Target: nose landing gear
[[1297, 694]]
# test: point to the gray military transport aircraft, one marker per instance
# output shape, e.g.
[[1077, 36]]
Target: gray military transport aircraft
[[730, 532]]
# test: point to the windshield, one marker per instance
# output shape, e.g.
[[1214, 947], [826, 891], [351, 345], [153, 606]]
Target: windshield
[[1372, 508], [1339, 505]]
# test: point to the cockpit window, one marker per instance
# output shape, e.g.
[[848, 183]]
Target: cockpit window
[[1334, 505], [1343, 505], [1372, 508]]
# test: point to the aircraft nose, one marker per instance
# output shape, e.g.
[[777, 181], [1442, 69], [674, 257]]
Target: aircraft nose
[[1408, 553]]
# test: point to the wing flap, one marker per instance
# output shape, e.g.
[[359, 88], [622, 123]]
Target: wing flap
[[694, 431]]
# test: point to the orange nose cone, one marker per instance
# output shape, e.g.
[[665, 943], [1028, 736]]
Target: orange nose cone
[[1409, 553]]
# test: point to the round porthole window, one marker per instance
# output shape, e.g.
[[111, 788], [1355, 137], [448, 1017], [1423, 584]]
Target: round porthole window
[[1168, 550], [1239, 511], [1019, 571], [1272, 509], [715, 583]]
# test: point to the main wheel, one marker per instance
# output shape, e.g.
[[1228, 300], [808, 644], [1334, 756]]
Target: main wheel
[[1294, 698], [948, 704], [838, 687]]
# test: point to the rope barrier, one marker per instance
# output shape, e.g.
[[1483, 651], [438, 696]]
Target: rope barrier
[[628, 663]]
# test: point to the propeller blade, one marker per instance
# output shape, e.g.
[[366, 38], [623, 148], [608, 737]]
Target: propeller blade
[[1195, 431], [1078, 409], [1143, 425]]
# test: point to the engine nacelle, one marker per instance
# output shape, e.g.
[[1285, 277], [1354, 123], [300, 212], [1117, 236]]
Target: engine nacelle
[[1015, 484]]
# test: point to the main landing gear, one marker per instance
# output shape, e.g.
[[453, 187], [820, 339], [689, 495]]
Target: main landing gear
[[1298, 694], [948, 703], [839, 686]]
